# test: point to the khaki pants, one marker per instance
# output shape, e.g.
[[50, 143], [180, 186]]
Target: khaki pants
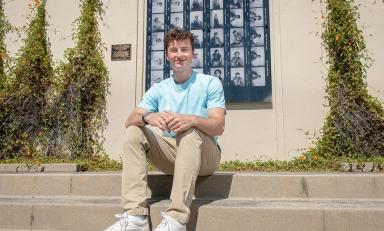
[[191, 154]]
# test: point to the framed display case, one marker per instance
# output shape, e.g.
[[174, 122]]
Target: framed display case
[[232, 42]]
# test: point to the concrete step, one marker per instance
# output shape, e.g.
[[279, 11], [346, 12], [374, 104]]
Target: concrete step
[[95, 213], [220, 185]]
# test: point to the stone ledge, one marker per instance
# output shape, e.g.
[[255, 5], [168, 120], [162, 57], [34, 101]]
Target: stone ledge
[[30, 168], [361, 167]]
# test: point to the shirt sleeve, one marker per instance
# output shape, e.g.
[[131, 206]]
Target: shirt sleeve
[[150, 100], [215, 94]]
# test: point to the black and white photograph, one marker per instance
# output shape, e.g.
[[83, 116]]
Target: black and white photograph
[[157, 22], [237, 57], [198, 38], [217, 57], [256, 17], [177, 6], [156, 77], [158, 6], [256, 3], [257, 56], [216, 4], [196, 5], [177, 20], [236, 17], [218, 73], [236, 4], [157, 60], [217, 19], [196, 19], [157, 41], [257, 36], [197, 60], [217, 38], [237, 37], [257, 77], [237, 77]]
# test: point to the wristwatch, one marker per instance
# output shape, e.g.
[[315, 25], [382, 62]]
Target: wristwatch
[[144, 115]]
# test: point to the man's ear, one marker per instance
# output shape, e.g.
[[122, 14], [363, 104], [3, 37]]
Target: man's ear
[[166, 56]]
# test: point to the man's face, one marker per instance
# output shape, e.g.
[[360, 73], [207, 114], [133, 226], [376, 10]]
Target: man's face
[[180, 55]]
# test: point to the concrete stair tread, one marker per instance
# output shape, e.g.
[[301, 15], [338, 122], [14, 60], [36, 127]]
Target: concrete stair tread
[[260, 203], [224, 201], [220, 185]]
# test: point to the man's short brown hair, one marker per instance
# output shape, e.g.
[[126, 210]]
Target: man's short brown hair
[[177, 34]]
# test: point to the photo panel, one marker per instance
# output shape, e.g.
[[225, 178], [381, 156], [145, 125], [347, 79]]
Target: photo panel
[[157, 77], [257, 77], [217, 19], [157, 60], [177, 20], [257, 36], [217, 57], [157, 22], [237, 57], [237, 37], [157, 41], [256, 17], [158, 6], [198, 38], [196, 19], [237, 4], [256, 3], [217, 38], [196, 5], [236, 17], [177, 6], [257, 56], [197, 60], [216, 4], [218, 73], [237, 77]]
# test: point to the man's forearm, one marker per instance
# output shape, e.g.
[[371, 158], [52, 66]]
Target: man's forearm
[[135, 118], [211, 126]]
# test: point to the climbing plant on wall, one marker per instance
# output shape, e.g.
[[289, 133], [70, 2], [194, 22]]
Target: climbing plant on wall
[[354, 125], [23, 105], [5, 27], [79, 115]]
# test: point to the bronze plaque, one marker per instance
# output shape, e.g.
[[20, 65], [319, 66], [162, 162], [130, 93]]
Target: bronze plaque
[[121, 52]]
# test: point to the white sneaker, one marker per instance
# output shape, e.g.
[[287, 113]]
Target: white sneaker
[[129, 223], [170, 224]]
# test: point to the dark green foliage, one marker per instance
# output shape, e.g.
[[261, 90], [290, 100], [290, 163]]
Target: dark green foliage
[[354, 125], [24, 102], [79, 114]]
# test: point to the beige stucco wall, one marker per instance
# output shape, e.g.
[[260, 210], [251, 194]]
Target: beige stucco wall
[[253, 131]]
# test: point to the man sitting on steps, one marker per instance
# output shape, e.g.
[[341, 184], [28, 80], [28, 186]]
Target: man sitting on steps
[[189, 108]]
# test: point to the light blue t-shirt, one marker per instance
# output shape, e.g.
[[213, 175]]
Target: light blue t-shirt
[[195, 96]]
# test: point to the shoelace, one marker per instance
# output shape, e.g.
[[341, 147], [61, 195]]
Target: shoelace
[[166, 222], [123, 220]]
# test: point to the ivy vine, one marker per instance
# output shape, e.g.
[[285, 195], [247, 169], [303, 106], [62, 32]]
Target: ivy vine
[[79, 114], [55, 112], [354, 125], [24, 102]]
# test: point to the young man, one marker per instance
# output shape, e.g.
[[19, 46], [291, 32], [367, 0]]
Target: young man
[[189, 108]]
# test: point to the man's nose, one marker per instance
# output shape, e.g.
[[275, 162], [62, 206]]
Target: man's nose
[[179, 52]]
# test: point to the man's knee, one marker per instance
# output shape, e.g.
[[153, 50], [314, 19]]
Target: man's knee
[[190, 135], [133, 134]]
